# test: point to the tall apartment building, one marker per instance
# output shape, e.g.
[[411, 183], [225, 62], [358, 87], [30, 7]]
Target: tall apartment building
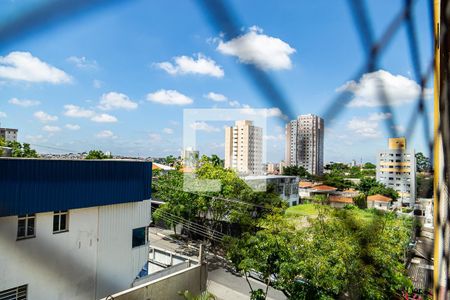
[[72, 229], [304, 143], [8, 134], [243, 148], [396, 168]]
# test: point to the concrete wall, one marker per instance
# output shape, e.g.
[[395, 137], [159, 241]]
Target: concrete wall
[[74, 264], [167, 288]]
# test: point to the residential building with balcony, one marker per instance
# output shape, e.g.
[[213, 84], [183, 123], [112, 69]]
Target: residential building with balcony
[[396, 168]]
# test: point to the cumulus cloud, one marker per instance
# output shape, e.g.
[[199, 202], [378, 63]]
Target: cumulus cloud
[[51, 129], [265, 112], [25, 67], [379, 116], [23, 102], [199, 64], [234, 103], [368, 127], [169, 97], [3, 114], [254, 47], [168, 130], [104, 118], [72, 126], [35, 138], [216, 97], [203, 126], [75, 111], [44, 117], [398, 89], [114, 100], [106, 134], [82, 62]]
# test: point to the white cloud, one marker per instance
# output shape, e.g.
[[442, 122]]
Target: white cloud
[[2, 114], [72, 126], [379, 116], [35, 138], [190, 65], [97, 83], [364, 128], [234, 103], [400, 128], [168, 130], [44, 117], [114, 100], [51, 129], [106, 134], [24, 66], [77, 112], [216, 97], [398, 89], [256, 48], [169, 97], [265, 112], [203, 126], [24, 102], [104, 118], [82, 62]]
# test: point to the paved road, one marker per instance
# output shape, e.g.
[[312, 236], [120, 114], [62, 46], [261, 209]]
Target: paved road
[[221, 282]]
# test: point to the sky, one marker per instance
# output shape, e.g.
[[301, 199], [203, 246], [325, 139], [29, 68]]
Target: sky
[[119, 77]]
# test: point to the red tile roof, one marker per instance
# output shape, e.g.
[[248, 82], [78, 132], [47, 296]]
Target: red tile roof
[[379, 198], [324, 188], [340, 199]]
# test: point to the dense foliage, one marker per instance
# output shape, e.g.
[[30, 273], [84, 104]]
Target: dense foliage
[[18, 149], [423, 163], [342, 254], [296, 171], [221, 196], [369, 186], [97, 154]]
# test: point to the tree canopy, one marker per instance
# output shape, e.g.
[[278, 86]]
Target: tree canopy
[[343, 254], [18, 149], [97, 154], [423, 163], [296, 171]]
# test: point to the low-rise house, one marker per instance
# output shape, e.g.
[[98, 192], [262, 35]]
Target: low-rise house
[[338, 201], [72, 229], [285, 186], [379, 202]]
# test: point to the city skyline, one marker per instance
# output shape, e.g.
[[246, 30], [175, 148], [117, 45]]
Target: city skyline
[[126, 92]]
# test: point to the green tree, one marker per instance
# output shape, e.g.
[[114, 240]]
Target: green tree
[[296, 171], [97, 154], [360, 201], [423, 163], [383, 190], [342, 254], [20, 150], [366, 184], [424, 186], [369, 165]]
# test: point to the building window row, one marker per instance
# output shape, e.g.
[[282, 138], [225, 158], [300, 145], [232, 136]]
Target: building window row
[[26, 224]]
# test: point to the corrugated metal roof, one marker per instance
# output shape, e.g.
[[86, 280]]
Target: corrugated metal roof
[[39, 185]]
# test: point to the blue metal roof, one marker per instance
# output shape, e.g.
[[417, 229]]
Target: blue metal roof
[[37, 185]]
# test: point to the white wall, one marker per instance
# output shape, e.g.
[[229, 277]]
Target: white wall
[[67, 265]]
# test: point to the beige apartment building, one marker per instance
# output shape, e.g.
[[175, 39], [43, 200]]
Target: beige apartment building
[[243, 148], [396, 168]]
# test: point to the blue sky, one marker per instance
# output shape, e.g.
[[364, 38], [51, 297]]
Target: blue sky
[[118, 78]]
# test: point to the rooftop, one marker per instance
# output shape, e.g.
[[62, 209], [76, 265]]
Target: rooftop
[[340, 199], [379, 197], [41, 185]]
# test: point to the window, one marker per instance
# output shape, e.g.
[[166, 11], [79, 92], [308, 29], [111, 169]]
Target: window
[[139, 237], [60, 221], [17, 293], [26, 226]]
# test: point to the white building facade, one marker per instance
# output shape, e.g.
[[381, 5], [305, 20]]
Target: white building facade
[[396, 168], [8, 134], [304, 143], [89, 251], [243, 148]]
